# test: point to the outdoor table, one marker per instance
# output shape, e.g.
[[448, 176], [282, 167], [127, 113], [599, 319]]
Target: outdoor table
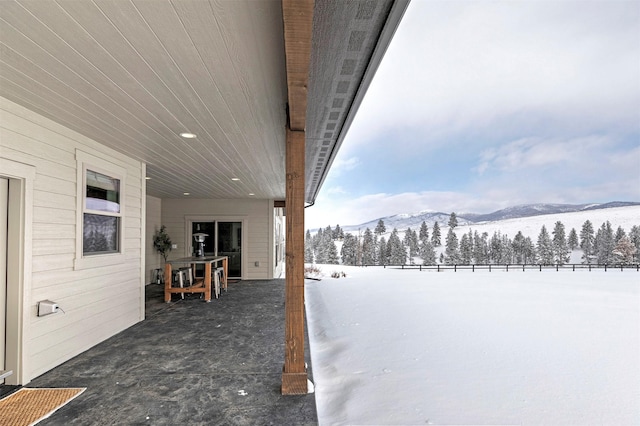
[[200, 284]]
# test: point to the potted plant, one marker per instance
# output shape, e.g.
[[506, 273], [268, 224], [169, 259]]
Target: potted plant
[[162, 242]]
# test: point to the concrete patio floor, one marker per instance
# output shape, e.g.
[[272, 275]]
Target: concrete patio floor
[[190, 363]]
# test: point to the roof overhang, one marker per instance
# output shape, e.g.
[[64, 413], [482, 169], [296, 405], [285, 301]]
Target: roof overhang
[[133, 74]]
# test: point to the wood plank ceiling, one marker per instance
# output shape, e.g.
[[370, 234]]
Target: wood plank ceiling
[[134, 74]]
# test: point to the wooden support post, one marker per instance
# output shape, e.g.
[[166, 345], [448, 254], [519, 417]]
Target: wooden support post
[[294, 374]]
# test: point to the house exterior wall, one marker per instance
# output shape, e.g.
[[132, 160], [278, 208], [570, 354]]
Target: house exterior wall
[[258, 219], [154, 221], [99, 297]]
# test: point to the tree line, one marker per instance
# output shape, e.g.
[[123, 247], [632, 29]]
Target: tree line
[[601, 246]]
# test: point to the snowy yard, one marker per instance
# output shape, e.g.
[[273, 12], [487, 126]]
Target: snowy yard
[[475, 348]]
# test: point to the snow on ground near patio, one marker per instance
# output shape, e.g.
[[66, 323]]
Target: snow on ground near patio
[[407, 347]]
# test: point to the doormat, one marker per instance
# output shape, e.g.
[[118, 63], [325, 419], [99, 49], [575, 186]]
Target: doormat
[[28, 406]]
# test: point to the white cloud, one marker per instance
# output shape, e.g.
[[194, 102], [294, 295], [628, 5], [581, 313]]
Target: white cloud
[[335, 190], [459, 66], [341, 164], [530, 153]]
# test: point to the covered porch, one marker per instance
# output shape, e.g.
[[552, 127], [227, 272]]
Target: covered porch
[[189, 362]]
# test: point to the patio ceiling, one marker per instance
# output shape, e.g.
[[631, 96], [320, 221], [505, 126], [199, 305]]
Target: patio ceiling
[[134, 74]]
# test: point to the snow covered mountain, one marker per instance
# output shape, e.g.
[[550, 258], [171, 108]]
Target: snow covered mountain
[[528, 210], [414, 220]]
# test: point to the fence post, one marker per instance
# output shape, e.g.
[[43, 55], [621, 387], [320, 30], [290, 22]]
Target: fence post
[[473, 267], [489, 267], [605, 267], [507, 267], [574, 267]]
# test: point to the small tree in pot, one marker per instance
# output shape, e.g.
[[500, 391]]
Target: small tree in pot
[[162, 242]]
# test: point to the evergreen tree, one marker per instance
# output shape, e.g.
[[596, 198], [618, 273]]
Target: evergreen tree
[[587, 241], [349, 250], [358, 248], [453, 221], [572, 240], [507, 250], [634, 237], [495, 248], [545, 248], [625, 251], [619, 234], [427, 253], [480, 248], [368, 248], [604, 244], [382, 252], [397, 251], [559, 244], [320, 254], [519, 248], [380, 228], [451, 250], [328, 232], [435, 235], [411, 241], [529, 251], [424, 232], [331, 252], [466, 249], [338, 233], [308, 247]]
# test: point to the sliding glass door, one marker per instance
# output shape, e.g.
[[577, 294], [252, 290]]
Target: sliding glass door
[[223, 239], [230, 244]]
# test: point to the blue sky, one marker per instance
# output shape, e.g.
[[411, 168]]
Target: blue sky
[[482, 105]]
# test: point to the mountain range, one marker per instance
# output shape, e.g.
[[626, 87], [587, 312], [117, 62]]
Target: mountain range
[[414, 220]]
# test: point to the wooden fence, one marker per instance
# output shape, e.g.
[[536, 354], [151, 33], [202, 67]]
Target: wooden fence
[[514, 267]]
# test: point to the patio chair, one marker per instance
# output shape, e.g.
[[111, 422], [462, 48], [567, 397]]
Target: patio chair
[[220, 273]]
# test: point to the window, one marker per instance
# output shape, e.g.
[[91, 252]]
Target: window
[[100, 212], [101, 215]]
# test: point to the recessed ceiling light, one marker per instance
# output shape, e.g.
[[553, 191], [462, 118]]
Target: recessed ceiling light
[[235, 179], [147, 178], [187, 135], [251, 194], [186, 193]]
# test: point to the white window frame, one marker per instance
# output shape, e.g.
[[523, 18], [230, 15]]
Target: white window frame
[[84, 162]]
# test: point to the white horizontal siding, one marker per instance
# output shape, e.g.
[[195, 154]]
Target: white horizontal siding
[[254, 212], [98, 302], [153, 222]]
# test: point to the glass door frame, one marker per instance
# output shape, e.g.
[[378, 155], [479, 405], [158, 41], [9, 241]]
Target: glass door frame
[[188, 247]]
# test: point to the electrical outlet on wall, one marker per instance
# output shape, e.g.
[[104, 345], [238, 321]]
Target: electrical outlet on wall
[[47, 307]]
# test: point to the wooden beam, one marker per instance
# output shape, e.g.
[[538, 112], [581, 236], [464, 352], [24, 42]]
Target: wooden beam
[[297, 16], [294, 375], [298, 27]]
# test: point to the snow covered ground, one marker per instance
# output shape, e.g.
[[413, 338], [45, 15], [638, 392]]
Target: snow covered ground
[[394, 347]]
